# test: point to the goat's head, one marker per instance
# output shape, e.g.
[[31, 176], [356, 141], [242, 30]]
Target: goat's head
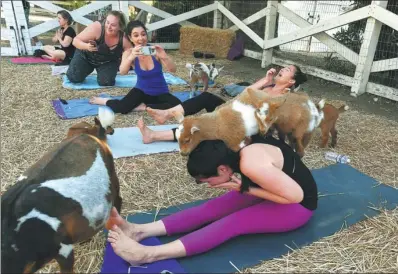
[[102, 125], [188, 134], [266, 110], [214, 72]]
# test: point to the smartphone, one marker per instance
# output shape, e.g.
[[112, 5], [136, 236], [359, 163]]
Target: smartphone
[[92, 42], [148, 50]]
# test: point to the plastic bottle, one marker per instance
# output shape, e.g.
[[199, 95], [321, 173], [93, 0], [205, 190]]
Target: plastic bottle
[[338, 158]]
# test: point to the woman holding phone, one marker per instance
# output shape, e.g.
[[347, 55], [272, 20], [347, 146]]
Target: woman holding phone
[[151, 88], [99, 46]]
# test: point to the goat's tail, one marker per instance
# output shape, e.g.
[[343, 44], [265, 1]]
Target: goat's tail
[[343, 108], [320, 105], [106, 117], [188, 66]]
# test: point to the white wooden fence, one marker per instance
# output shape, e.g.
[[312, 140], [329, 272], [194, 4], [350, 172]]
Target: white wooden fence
[[376, 14]]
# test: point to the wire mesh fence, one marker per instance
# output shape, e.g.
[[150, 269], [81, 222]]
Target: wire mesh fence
[[310, 51], [171, 34]]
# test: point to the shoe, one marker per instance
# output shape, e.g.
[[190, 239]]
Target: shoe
[[209, 55], [198, 54]]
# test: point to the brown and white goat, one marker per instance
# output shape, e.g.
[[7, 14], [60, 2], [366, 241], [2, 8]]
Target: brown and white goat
[[64, 198], [200, 72], [233, 122], [295, 116]]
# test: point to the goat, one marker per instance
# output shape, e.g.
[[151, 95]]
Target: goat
[[233, 122], [64, 198], [297, 117], [200, 72], [328, 124]]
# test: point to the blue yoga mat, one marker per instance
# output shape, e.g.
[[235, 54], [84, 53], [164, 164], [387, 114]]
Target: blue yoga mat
[[122, 81], [77, 108], [345, 197], [127, 142]]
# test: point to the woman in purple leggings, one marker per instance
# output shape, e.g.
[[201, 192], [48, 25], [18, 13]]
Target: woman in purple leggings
[[276, 193]]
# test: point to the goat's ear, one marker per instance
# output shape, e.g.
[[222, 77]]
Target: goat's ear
[[194, 129], [275, 105], [97, 122], [220, 69], [178, 116]]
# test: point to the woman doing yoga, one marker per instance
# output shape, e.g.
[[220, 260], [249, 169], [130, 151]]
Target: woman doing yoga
[[151, 88], [288, 77], [276, 194]]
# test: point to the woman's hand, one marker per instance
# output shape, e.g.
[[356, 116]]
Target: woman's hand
[[233, 184], [166, 61], [160, 53], [58, 34], [134, 52], [91, 46], [270, 73]]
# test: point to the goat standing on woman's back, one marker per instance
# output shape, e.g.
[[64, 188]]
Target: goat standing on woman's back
[[64, 198]]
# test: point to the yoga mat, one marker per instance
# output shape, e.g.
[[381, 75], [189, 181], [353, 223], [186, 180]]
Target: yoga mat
[[123, 81], [30, 60], [345, 197], [81, 107], [127, 142], [116, 265]]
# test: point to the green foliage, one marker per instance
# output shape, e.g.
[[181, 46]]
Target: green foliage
[[352, 36]]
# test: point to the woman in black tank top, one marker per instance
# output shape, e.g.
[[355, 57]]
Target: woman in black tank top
[[280, 196], [99, 46]]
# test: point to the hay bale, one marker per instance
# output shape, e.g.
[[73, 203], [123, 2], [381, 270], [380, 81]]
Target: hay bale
[[206, 40]]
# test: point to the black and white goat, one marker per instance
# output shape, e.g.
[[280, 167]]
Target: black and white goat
[[200, 72], [64, 198]]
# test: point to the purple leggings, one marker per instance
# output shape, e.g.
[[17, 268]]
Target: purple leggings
[[230, 215]]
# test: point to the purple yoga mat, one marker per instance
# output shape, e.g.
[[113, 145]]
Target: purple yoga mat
[[114, 264], [31, 60]]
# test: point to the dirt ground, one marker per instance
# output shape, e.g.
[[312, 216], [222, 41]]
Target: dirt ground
[[367, 133]]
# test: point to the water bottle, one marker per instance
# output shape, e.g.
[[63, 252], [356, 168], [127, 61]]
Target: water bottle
[[338, 158]]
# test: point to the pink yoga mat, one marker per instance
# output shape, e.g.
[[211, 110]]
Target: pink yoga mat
[[31, 60]]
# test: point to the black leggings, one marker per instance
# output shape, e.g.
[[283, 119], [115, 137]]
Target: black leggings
[[205, 100], [80, 68], [136, 96]]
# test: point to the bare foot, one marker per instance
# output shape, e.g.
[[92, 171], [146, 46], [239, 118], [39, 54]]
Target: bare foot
[[159, 115], [98, 101], [146, 132], [129, 229], [128, 249]]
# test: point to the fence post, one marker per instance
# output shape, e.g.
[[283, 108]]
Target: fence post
[[270, 23], [124, 7], [217, 17], [367, 52]]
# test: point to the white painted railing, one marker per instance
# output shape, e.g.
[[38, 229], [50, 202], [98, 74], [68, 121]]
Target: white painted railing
[[376, 15]]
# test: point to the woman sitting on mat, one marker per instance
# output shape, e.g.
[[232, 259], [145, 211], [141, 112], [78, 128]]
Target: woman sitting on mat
[[151, 88], [288, 77], [64, 35], [277, 194], [99, 46]]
